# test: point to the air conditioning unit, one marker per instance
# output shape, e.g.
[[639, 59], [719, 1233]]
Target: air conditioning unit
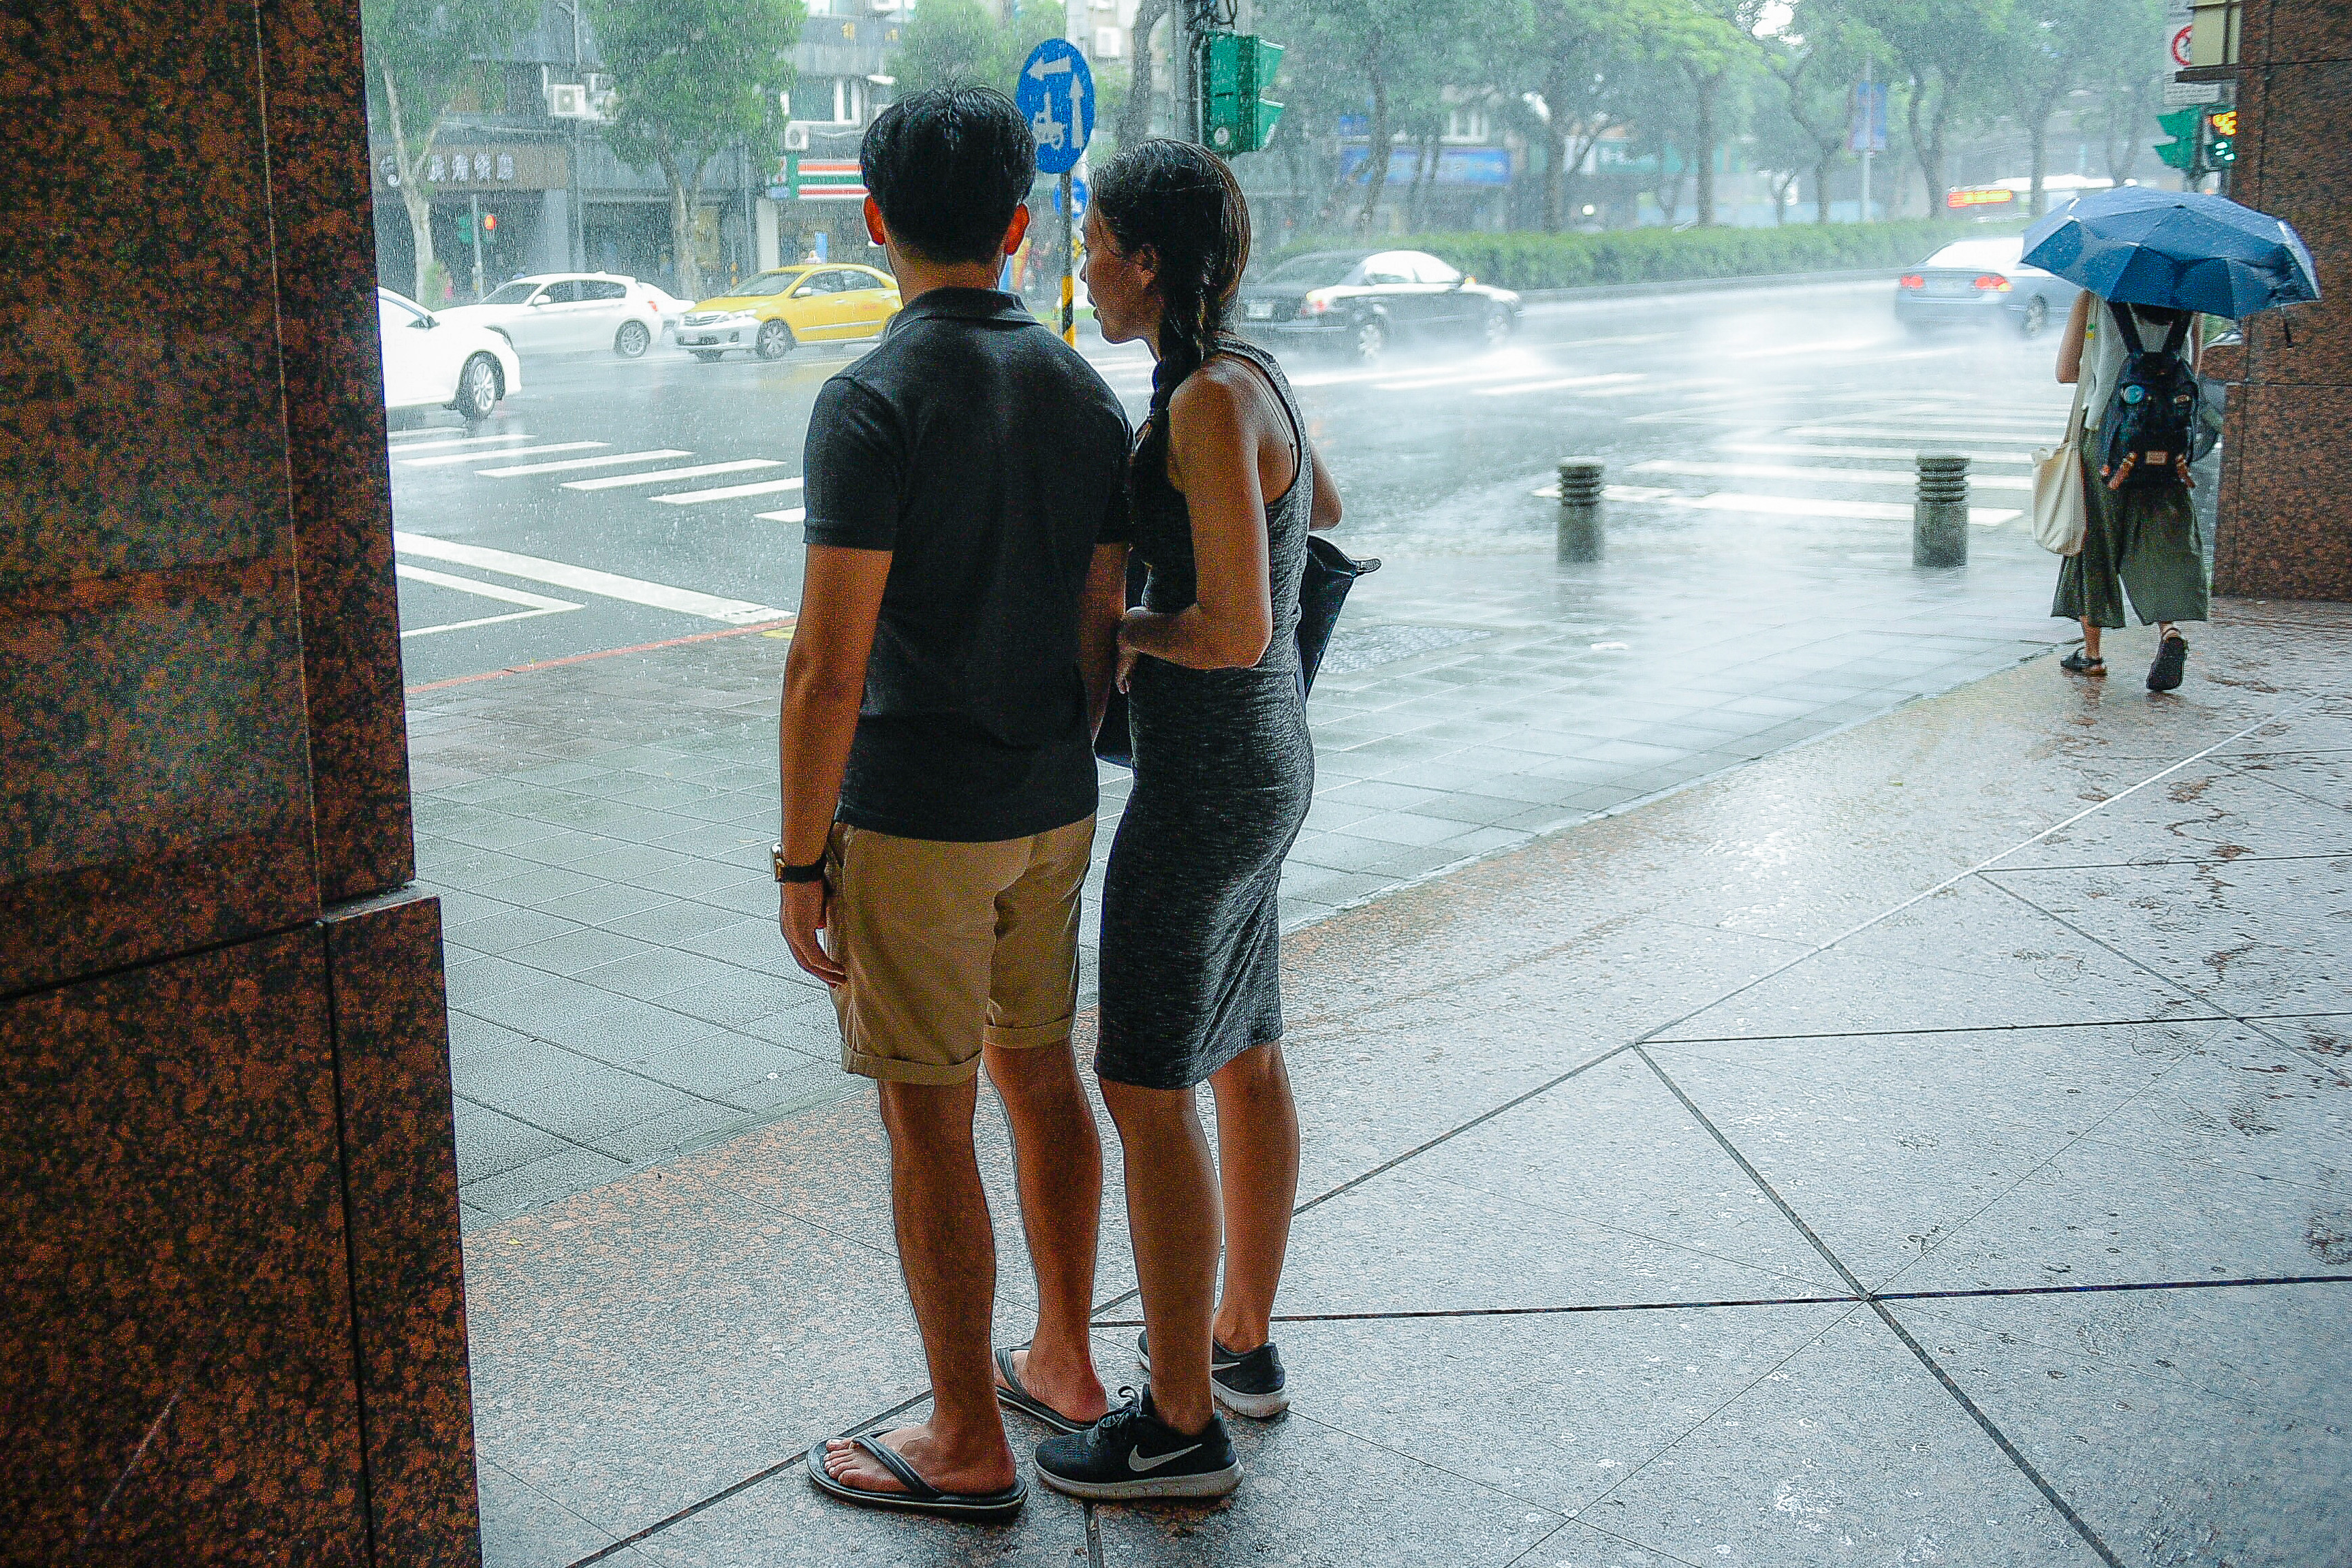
[[568, 100], [599, 85], [1109, 43], [796, 136]]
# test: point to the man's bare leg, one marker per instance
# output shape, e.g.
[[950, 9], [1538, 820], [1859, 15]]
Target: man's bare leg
[[948, 1256], [1257, 1167], [1057, 1161]]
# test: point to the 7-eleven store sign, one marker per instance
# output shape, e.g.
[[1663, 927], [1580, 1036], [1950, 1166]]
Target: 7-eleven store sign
[[800, 179]]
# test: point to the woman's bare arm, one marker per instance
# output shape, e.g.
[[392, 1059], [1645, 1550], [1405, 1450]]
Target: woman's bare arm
[[2070, 347], [1213, 449], [1324, 509]]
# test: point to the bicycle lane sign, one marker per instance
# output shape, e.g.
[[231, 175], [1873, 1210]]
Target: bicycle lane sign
[[1056, 92]]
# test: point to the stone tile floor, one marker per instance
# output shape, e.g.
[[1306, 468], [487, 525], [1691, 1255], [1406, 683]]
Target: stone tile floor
[[1933, 1143]]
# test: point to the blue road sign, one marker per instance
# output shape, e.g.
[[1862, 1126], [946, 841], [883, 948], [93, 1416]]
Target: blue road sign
[[1077, 197], [1056, 92]]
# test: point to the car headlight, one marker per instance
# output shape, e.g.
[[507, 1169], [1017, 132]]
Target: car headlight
[[1317, 303]]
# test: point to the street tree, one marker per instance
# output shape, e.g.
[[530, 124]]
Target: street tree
[[2130, 88], [2055, 47], [693, 78], [422, 57], [1133, 124], [1387, 50], [1578, 56], [1950, 50], [1816, 59], [1709, 42], [961, 42]]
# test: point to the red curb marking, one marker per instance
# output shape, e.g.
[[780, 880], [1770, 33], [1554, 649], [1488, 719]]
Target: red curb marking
[[587, 658]]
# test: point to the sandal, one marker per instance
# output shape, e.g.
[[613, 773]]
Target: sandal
[[2164, 675], [921, 1496], [1012, 1396], [2075, 664]]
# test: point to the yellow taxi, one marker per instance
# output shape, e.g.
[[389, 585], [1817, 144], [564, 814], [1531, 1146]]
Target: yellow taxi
[[813, 303]]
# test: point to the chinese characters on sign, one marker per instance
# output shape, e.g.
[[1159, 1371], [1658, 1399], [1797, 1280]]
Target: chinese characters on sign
[[467, 168]]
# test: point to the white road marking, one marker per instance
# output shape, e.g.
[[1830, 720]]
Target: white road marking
[[1893, 454], [447, 457], [480, 621], [728, 492], [1826, 476], [1921, 432], [796, 514], [1807, 506], [498, 591], [454, 441], [567, 464], [663, 476], [1517, 387], [584, 580], [1807, 351], [1518, 362]]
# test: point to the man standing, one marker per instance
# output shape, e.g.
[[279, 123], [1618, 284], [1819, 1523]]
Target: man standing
[[966, 528]]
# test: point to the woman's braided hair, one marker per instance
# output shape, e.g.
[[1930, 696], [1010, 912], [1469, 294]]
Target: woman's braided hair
[[1183, 201]]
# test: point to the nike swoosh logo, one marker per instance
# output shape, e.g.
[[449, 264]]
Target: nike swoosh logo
[[1138, 1464]]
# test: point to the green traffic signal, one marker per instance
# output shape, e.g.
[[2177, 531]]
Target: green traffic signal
[[1236, 116], [2182, 126]]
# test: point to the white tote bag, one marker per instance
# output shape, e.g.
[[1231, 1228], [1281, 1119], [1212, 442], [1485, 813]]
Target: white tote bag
[[2058, 520]]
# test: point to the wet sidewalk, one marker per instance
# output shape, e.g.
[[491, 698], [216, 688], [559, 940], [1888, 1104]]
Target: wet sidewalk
[[1931, 1143]]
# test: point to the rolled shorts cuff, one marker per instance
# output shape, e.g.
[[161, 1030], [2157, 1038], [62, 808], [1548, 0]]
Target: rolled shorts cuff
[[890, 1069], [1029, 1036]]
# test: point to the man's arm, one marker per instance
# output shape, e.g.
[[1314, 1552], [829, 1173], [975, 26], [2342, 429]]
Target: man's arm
[[1099, 617], [825, 682]]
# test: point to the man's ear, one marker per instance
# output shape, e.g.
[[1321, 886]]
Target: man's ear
[[875, 229], [1017, 230]]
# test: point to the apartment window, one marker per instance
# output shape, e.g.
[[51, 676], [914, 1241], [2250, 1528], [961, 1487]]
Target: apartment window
[[1468, 125], [1108, 43]]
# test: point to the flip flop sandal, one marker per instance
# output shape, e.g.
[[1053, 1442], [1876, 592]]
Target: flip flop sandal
[[2075, 664], [921, 1496], [1012, 1396]]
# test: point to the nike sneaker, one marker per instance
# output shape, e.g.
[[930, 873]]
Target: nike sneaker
[[1249, 1384], [1131, 1454]]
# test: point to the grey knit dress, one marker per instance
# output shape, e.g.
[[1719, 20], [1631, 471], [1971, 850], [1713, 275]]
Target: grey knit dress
[[1224, 772]]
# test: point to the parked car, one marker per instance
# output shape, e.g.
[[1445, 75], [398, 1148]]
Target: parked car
[[1979, 281], [1360, 301], [571, 312], [815, 302], [430, 360]]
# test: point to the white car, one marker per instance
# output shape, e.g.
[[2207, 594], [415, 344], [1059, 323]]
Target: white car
[[430, 360], [572, 313]]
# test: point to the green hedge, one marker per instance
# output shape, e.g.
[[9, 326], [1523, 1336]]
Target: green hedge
[[1534, 261]]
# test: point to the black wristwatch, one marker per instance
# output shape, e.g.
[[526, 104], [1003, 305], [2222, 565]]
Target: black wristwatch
[[785, 872]]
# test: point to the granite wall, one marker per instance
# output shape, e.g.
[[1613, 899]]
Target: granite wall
[[2286, 466], [230, 1301]]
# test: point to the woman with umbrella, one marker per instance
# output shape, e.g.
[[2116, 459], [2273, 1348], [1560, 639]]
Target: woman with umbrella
[[2150, 261]]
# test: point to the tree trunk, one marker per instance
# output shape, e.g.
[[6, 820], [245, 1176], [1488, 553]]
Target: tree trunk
[[1707, 87], [2039, 133], [1821, 167], [413, 195], [1929, 161], [1376, 153], [682, 202], [1134, 114], [1937, 205]]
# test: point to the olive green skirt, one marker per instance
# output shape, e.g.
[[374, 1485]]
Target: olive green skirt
[[2142, 540]]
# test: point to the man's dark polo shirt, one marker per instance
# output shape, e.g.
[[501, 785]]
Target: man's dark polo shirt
[[988, 459]]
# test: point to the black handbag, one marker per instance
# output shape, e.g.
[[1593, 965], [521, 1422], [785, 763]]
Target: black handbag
[[1323, 588]]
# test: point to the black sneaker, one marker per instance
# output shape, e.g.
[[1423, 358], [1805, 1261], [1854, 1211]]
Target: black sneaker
[[2164, 675], [1251, 1384], [1131, 1454]]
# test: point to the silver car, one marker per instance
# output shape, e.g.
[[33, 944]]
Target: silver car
[[1979, 282]]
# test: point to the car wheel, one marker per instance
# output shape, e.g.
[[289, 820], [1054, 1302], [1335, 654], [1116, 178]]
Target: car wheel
[[479, 388], [710, 356], [775, 340], [1371, 339], [1499, 326], [632, 341], [2036, 317]]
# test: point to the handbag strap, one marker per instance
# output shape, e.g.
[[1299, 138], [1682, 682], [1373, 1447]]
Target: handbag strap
[[2074, 414]]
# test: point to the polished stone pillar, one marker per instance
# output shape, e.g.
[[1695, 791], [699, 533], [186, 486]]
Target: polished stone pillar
[[230, 1292], [2286, 466]]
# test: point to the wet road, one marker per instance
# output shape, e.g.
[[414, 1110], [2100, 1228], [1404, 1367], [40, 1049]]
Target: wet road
[[614, 503]]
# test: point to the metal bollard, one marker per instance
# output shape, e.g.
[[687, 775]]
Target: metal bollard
[[1579, 509], [1940, 518]]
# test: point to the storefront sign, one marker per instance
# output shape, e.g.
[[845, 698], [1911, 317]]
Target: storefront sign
[[516, 168]]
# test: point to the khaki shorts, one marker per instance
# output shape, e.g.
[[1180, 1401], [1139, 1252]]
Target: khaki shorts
[[951, 947]]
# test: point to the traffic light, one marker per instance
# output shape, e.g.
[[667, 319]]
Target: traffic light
[[2221, 143], [2182, 126], [1234, 115], [490, 222]]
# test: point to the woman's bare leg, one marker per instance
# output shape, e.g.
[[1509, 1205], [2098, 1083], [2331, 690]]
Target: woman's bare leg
[[2090, 638], [1172, 1214], [1257, 1169]]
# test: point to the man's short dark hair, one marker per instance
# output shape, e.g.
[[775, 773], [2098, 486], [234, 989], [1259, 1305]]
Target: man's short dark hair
[[947, 167]]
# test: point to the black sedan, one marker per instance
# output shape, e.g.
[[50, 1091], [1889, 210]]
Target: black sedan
[[1359, 301]]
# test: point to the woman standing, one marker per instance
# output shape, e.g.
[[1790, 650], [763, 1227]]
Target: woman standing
[[2139, 538], [1225, 490]]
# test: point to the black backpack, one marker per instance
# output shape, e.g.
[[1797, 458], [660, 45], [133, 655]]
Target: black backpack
[[2151, 418]]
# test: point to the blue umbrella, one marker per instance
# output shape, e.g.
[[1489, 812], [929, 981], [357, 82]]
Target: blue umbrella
[[2179, 248]]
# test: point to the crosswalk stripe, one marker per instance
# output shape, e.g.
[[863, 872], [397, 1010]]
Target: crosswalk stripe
[[407, 632], [1810, 506], [1559, 385], [447, 457], [663, 476], [585, 580], [1893, 454], [397, 445], [1825, 476], [1511, 363], [728, 492], [795, 514], [1911, 432], [566, 465], [498, 591]]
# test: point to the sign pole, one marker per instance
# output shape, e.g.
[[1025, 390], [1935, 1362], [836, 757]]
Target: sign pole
[[1069, 264], [1869, 134], [474, 201]]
